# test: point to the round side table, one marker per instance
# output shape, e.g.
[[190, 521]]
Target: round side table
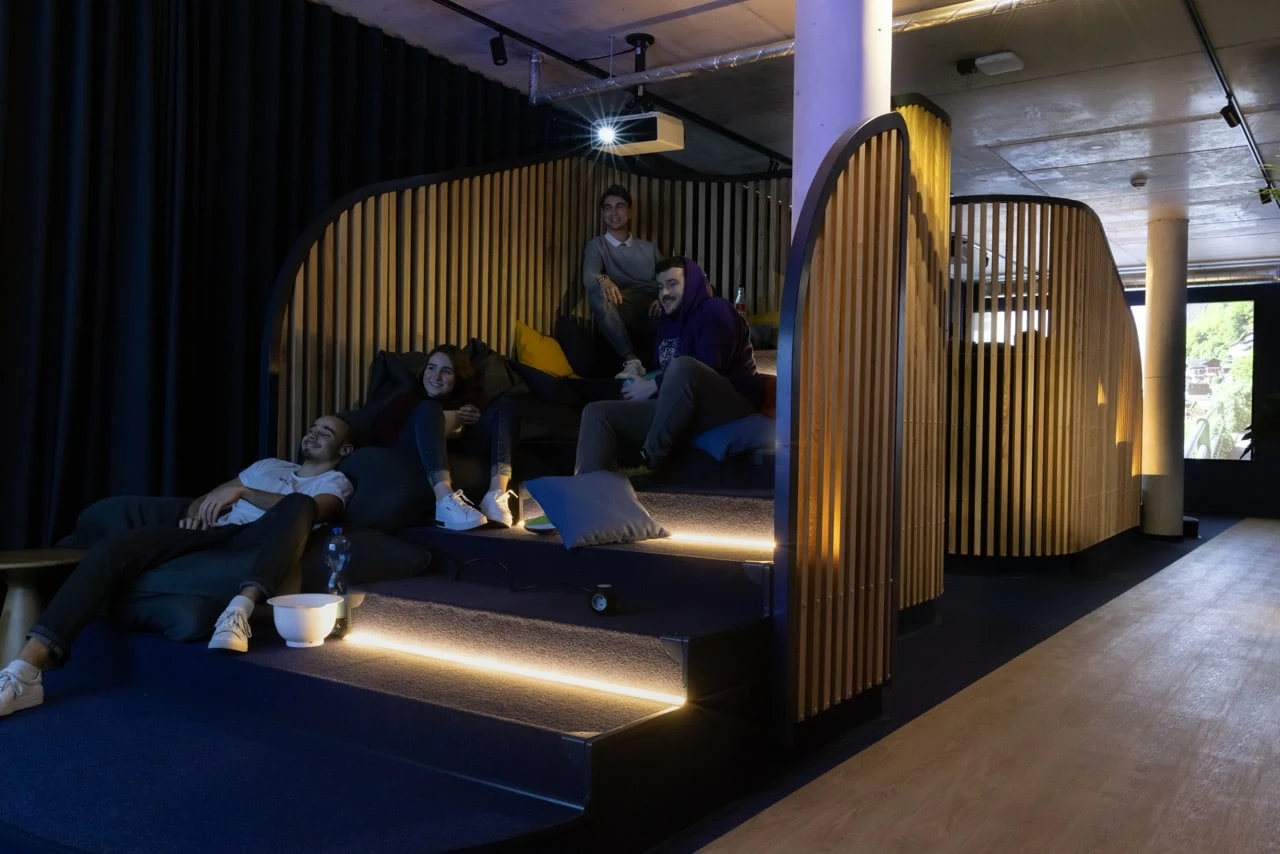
[[22, 569]]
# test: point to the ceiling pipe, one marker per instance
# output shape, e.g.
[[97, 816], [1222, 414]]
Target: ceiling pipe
[[775, 50], [595, 71], [1226, 273], [1198, 23], [737, 59]]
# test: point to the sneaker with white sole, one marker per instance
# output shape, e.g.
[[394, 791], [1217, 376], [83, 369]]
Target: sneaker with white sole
[[632, 369], [456, 513], [231, 632], [19, 691], [539, 525], [496, 507]]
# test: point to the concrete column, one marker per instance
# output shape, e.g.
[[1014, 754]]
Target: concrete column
[[843, 62], [1164, 378]]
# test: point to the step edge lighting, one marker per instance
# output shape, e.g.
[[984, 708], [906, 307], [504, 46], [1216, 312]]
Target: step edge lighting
[[495, 665]]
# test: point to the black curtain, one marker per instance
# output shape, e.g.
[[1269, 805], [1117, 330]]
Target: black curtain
[[157, 159]]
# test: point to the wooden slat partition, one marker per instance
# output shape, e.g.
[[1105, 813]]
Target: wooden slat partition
[[840, 425], [1045, 382], [924, 475], [407, 265]]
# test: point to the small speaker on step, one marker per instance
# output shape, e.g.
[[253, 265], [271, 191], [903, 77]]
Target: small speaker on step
[[604, 600]]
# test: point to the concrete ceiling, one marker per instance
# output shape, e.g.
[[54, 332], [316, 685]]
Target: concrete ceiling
[[1110, 88]]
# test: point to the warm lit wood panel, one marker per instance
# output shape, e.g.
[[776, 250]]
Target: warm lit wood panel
[[924, 512], [840, 424], [1044, 391], [415, 263]]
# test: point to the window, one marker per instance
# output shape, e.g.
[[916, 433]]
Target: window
[[1218, 393]]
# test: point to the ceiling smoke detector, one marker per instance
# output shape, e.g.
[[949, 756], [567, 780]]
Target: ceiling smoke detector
[[992, 64]]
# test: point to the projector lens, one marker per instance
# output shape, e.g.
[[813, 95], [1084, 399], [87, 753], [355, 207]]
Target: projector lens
[[606, 134]]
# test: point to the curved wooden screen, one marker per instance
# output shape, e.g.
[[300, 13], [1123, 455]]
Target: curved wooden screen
[[924, 449], [1045, 389], [840, 423], [405, 265]]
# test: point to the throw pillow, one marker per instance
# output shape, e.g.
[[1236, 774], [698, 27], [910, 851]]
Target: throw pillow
[[752, 433], [540, 351], [546, 387], [391, 492], [594, 509]]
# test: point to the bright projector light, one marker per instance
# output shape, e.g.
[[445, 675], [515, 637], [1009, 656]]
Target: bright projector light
[[640, 133]]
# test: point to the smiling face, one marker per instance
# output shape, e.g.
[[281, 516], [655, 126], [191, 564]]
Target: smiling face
[[671, 289], [615, 212], [326, 441], [439, 379]]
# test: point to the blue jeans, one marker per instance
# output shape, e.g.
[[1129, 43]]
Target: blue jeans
[[625, 326], [493, 435]]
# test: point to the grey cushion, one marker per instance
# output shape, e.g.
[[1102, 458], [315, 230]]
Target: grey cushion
[[594, 509], [391, 492], [752, 433]]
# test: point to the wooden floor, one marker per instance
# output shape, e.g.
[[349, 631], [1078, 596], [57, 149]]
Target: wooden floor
[[1153, 724]]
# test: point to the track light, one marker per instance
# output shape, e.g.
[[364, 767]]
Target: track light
[[498, 50], [1230, 116]]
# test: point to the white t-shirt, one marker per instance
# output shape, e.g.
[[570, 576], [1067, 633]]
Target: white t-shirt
[[281, 477]]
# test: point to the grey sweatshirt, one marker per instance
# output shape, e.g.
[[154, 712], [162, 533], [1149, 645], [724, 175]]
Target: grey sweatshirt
[[631, 265]]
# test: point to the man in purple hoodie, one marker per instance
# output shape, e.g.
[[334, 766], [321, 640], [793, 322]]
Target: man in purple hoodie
[[707, 377]]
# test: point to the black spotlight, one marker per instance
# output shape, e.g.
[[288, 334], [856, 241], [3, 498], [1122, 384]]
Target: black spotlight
[[498, 49], [1230, 116]]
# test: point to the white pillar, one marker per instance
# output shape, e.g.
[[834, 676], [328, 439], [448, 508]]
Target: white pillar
[[843, 62], [1164, 378]]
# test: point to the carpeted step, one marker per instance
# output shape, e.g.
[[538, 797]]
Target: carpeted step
[[676, 647], [590, 652], [123, 771], [731, 573], [509, 731]]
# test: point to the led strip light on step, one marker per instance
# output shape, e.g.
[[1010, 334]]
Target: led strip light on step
[[728, 542], [494, 665]]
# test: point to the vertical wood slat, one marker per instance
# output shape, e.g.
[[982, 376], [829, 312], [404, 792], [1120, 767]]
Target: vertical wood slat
[[448, 260], [925, 438], [838, 555], [1046, 422]]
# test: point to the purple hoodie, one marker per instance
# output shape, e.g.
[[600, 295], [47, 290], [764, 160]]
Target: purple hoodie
[[711, 330]]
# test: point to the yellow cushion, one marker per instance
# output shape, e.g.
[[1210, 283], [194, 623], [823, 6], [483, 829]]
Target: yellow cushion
[[540, 351], [768, 318]]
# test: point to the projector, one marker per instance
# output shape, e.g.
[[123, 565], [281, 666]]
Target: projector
[[642, 133]]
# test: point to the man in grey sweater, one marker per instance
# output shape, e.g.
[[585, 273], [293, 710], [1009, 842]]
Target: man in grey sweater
[[618, 271]]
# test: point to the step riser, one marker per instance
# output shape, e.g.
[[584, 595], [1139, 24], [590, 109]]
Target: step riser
[[544, 560], [634, 660]]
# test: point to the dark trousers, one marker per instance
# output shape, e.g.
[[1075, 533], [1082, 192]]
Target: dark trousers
[[627, 327], [493, 435], [113, 563], [693, 399]]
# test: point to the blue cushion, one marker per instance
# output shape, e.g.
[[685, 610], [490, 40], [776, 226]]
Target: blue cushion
[[753, 433], [594, 509]]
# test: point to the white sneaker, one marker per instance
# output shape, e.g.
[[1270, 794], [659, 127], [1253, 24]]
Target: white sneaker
[[18, 692], [631, 369], [232, 631], [496, 507], [456, 513]]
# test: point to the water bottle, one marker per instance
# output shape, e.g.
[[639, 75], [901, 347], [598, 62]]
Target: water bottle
[[337, 556], [740, 302]]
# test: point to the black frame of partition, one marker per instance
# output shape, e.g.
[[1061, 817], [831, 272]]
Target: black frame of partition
[[795, 288]]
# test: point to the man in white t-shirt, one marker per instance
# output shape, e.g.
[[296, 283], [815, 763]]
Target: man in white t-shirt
[[271, 506]]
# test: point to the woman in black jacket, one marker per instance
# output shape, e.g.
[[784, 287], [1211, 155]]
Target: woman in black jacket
[[442, 413]]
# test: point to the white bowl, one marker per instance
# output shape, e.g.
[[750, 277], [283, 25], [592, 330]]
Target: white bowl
[[305, 619]]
